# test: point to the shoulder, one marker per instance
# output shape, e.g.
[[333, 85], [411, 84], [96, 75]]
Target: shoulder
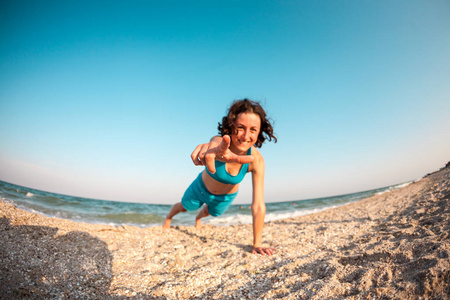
[[258, 162]]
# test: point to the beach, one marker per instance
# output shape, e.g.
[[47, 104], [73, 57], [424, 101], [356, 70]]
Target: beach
[[391, 246]]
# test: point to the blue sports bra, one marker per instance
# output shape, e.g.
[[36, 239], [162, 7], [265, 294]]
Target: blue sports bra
[[223, 176]]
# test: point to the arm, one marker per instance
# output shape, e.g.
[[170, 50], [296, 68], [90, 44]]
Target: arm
[[258, 206]]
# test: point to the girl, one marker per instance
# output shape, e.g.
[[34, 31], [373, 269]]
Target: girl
[[228, 158]]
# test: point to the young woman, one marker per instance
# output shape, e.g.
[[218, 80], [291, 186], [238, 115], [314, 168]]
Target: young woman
[[228, 158]]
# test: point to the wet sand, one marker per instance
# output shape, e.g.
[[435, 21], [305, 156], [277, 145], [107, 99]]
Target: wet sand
[[390, 246]]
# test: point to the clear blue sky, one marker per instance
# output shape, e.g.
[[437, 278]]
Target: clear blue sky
[[107, 99]]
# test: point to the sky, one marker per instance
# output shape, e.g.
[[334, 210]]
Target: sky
[[107, 99]]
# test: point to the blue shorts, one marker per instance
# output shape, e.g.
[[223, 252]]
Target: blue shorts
[[196, 195]]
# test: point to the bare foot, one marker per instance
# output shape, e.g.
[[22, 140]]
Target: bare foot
[[198, 223], [166, 224]]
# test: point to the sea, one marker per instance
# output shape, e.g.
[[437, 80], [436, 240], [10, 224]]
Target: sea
[[145, 215]]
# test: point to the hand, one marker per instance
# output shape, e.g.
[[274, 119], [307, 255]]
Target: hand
[[263, 251], [206, 154]]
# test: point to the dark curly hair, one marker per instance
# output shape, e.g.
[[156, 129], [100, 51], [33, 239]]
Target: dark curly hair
[[247, 106]]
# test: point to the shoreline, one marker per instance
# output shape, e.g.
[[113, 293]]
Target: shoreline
[[393, 246], [275, 210]]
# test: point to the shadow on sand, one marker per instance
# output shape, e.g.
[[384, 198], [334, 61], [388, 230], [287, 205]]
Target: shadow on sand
[[38, 263]]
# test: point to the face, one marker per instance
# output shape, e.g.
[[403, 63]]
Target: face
[[248, 126]]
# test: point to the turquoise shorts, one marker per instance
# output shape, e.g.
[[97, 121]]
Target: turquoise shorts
[[196, 195]]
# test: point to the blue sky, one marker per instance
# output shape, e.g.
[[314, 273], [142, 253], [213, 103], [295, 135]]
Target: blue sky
[[107, 99]]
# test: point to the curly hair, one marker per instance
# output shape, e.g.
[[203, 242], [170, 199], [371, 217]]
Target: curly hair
[[247, 106]]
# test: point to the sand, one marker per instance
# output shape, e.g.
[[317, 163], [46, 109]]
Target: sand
[[390, 246]]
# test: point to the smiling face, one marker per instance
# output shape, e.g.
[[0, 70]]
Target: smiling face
[[247, 127]]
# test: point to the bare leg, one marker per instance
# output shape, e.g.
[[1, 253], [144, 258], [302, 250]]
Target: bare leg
[[203, 213], [176, 209]]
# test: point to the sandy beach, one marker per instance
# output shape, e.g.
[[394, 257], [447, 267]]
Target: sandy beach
[[390, 246]]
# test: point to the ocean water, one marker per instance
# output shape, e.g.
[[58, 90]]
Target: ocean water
[[144, 215]]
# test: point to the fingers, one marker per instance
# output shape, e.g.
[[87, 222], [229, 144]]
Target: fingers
[[241, 159], [198, 155], [224, 144], [195, 156], [270, 251], [263, 251], [210, 162], [229, 156]]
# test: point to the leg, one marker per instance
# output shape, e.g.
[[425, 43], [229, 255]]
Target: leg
[[203, 213], [176, 209]]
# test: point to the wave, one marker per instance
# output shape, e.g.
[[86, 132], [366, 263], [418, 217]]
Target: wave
[[395, 187]]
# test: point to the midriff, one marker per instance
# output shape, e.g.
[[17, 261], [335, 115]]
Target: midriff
[[218, 188]]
